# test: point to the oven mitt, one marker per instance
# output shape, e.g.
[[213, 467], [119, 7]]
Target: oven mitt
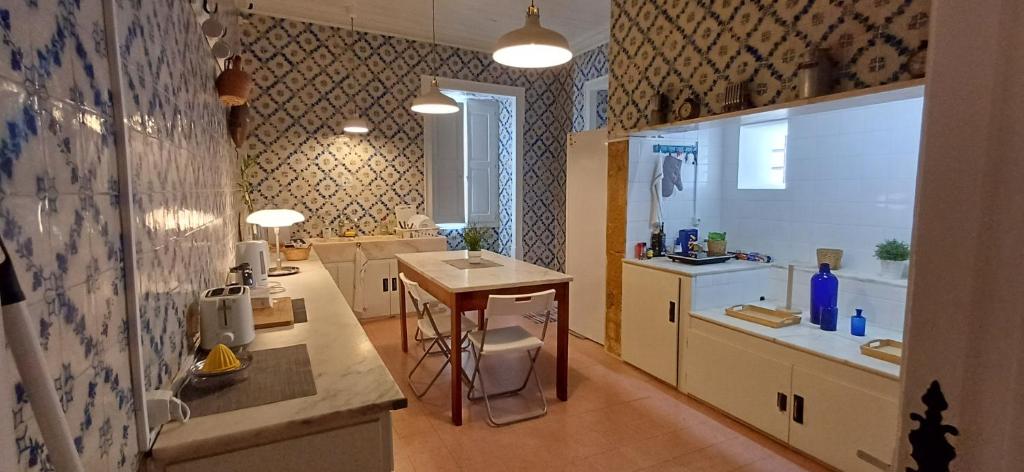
[[672, 175]]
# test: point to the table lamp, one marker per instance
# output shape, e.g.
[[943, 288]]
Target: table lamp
[[277, 218]]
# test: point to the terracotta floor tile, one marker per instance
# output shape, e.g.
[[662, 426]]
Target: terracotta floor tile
[[617, 419]]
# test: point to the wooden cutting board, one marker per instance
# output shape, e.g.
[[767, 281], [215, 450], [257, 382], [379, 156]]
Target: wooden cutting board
[[279, 315]]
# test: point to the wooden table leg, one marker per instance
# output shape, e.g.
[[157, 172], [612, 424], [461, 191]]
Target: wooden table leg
[[562, 360], [401, 314], [480, 319], [456, 359]]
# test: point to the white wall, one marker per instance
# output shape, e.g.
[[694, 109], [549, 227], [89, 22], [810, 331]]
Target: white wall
[[677, 209], [850, 182]]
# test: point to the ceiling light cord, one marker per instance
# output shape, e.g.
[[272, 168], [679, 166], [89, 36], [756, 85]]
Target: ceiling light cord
[[433, 35]]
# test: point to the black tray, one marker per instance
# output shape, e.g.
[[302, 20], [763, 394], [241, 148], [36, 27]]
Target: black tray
[[701, 260]]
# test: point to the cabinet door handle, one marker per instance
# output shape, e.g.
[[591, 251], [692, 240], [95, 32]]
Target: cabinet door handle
[[385, 280], [671, 312], [782, 401], [798, 409], [394, 284]]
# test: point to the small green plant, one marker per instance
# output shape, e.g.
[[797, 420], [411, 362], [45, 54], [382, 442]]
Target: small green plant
[[473, 236], [246, 165], [892, 250], [713, 236]]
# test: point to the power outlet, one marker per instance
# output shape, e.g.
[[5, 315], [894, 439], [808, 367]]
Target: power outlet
[[695, 222]]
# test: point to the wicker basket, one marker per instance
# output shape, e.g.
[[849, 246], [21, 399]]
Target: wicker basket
[[296, 253], [716, 247], [832, 257]]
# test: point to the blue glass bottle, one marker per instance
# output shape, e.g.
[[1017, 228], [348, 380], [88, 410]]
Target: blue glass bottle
[[824, 292], [858, 323]]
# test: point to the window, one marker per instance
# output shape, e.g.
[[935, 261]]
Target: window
[[464, 166], [762, 156]]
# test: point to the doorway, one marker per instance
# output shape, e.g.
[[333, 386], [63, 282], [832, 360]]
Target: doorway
[[473, 164]]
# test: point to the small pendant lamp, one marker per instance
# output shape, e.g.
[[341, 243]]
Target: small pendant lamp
[[532, 46], [355, 124], [433, 102]]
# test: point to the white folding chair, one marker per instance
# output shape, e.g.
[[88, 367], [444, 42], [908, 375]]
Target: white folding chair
[[433, 324], [486, 343]]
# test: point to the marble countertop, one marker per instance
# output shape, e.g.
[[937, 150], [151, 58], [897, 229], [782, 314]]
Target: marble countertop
[[352, 381], [511, 273], [374, 247], [839, 346], [665, 264]]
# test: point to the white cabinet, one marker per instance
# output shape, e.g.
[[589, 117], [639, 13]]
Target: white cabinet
[[380, 289], [824, 408], [836, 419], [652, 302], [343, 274], [749, 386], [366, 270], [376, 279]]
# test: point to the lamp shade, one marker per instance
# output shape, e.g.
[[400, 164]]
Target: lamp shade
[[356, 125], [532, 46], [433, 102], [275, 218]]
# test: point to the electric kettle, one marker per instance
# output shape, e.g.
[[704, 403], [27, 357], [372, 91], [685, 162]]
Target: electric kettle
[[257, 255], [225, 317]]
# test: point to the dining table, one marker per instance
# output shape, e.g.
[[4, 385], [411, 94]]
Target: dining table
[[464, 286]]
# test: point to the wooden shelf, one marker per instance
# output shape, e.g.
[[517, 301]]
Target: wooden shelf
[[902, 90]]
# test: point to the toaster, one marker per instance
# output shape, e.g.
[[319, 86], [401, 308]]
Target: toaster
[[225, 317]]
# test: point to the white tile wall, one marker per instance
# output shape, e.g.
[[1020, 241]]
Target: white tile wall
[[718, 290], [850, 178], [677, 209]]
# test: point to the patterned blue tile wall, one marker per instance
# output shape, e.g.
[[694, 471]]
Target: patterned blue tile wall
[[59, 211], [309, 77], [697, 47], [586, 66]]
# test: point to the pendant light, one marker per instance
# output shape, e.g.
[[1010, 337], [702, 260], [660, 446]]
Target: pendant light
[[356, 124], [532, 46], [433, 102]]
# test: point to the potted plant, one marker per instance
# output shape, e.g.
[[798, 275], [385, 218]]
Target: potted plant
[[894, 256], [473, 237]]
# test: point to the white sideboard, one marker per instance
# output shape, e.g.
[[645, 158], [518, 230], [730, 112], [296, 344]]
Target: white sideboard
[[366, 271], [345, 426], [807, 388], [657, 293]]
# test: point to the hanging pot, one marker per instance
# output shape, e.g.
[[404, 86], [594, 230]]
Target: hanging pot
[[238, 124], [233, 84]]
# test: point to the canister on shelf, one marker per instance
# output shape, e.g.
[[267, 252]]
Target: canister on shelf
[[814, 76]]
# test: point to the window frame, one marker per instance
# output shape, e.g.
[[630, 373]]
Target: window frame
[[764, 184]]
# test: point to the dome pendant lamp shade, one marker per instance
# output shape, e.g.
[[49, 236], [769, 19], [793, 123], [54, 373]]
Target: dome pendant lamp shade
[[433, 102], [532, 46], [356, 125]]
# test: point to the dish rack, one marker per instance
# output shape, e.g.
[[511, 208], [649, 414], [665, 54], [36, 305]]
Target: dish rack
[[405, 233]]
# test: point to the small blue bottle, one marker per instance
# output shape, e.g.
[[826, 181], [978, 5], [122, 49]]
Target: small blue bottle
[[858, 323], [829, 318], [824, 292]]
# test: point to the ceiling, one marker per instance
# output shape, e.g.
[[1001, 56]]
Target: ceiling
[[470, 24]]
